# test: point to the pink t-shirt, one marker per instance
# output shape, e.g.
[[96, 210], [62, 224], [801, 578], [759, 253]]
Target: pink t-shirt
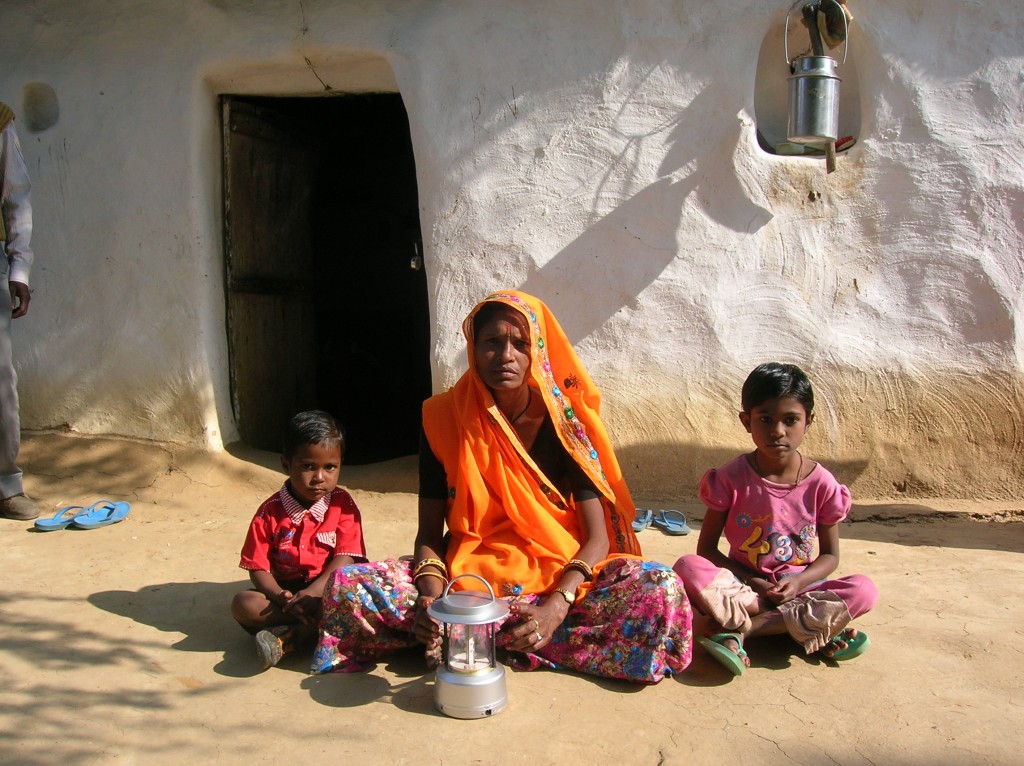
[[772, 528]]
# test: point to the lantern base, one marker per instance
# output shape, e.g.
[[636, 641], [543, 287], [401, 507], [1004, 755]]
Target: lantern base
[[470, 695]]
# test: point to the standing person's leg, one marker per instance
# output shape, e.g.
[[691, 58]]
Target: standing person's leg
[[13, 503]]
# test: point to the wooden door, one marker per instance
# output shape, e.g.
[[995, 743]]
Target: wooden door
[[270, 280]]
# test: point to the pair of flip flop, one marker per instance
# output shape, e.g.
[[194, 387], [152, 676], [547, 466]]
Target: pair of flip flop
[[733, 661], [100, 514], [670, 522]]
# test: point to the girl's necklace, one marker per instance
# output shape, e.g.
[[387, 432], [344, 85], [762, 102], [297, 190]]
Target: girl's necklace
[[773, 490], [529, 401]]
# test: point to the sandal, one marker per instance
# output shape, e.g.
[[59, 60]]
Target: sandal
[[671, 522], [60, 520], [643, 519], [732, 661], [855, 646], [101, 514]]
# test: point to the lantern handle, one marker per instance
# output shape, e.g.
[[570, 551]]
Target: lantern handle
[[846, 29], [487, 585]]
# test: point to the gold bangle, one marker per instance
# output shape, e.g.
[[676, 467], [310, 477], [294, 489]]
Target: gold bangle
[[438, 575], [582, 567], [568, 595], [430, 563]]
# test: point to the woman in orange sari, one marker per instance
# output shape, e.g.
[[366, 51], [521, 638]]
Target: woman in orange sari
[[516, 463]]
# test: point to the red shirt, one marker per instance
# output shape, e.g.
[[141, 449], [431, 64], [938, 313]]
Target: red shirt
[[295, 543]]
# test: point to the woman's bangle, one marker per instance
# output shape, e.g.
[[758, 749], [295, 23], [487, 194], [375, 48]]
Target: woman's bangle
[[430, 563], [438, 575], [582, 567]]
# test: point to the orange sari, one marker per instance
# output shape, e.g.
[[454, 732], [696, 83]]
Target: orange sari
[[508, 522]]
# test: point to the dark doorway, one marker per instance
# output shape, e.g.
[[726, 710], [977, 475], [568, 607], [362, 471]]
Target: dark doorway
[[326, 293]]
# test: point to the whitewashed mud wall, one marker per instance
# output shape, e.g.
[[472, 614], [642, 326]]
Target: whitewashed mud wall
[[601, 155]]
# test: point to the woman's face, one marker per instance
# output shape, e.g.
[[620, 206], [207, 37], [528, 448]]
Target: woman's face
[[501, 351]]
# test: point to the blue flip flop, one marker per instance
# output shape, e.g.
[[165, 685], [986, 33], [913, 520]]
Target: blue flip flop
[[101, 514], [855, 646], [643, 519], [732, 661], [671, 522], [60, 520]]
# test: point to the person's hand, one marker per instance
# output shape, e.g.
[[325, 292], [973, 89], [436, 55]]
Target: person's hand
[[539, 622], [20, 298], [303, 606], [426, 629], [782, 592], [760, 586]]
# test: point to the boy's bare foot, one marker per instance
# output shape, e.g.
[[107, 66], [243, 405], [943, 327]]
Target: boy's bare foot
[[272, 644]]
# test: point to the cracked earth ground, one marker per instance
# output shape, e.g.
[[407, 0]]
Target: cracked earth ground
[[116, 645]]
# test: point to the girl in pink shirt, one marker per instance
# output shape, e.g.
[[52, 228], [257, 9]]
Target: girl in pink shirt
[[772, 505]]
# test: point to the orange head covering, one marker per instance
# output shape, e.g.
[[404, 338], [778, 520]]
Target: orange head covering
[[509, 524]]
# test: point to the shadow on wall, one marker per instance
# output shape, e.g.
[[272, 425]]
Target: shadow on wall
[[123, 469], [645, 467], [625, 251], [398, 475]]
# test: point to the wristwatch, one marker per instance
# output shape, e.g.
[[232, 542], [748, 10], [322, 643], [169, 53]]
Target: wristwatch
[[569, 597]]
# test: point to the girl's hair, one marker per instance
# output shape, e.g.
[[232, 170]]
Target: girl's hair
[[774, 380], [312, 427]]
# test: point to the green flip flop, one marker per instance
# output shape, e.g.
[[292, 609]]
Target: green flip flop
[[732, 661], [855, 646]]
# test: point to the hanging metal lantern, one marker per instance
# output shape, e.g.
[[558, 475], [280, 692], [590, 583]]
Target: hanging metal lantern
[[813, 84]]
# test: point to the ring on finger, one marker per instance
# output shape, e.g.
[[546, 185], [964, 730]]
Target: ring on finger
[[539, 637]]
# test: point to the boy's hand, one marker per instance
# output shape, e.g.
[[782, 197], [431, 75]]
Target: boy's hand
[[304, 605]]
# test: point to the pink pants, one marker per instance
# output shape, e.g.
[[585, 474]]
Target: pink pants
[[818, 614]]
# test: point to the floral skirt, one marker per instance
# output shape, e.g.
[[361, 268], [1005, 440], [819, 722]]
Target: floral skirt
[[634, 623]]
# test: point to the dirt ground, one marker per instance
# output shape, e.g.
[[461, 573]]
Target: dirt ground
[[116, 644]]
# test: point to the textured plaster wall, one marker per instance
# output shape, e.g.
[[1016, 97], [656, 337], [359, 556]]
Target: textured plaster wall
[[599, 154]]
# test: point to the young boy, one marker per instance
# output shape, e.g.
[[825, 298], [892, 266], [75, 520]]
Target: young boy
[[298, 537]]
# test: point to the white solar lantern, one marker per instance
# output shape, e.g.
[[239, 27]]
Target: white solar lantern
[[469, 683]]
